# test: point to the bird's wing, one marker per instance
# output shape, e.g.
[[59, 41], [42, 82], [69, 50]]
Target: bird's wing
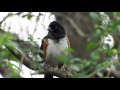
[[44, 47], [68, 42]]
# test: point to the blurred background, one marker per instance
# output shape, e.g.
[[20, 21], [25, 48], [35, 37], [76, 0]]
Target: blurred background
[[87, 32]]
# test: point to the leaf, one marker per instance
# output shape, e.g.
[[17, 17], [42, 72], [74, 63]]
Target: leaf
[[4, 38], [39, 51], [111, 51], [75, 67], [100, 74], [115, 24], [69, 50], [91, 46], [94, 15], [75, 60], [95, 55], [23, 16], [117, 15], [4, 54], [14, 72], [29, 16], [65, 59], [94, 36], [102, 66], [106, 46], [13, 58], [30, 37]]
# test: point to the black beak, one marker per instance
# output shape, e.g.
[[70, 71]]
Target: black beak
[[49, 29]]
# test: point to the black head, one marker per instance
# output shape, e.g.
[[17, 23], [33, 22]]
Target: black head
[[56, 30]]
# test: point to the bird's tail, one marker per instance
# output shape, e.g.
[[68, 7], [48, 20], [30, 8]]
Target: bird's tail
[[48, 76]]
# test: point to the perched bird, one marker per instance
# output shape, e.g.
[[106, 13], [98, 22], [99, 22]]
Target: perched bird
[[53, 45]]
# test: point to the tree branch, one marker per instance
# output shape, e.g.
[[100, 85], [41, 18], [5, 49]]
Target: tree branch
[[34, 65], [55, 71], [9, 14]]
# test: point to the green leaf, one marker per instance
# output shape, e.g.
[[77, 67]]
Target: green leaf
[[75, 60], [100, 74], [94, 15], [111, 51], [4, 54], [65, 59], [30, 37], [69, 50], [106, 46], [29, 16], [94, 37], [14, 72], [102, 66], [74, 67], [115, 24], [39, 51], [91, 46], [95, 55], [13, 58], [117, 15], [23, 16]]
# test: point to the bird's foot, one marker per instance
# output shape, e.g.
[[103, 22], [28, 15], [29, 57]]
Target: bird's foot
[[63, 69], [46, 65]]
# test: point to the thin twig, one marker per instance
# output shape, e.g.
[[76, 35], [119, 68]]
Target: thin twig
[[37, 22], [8, 15]]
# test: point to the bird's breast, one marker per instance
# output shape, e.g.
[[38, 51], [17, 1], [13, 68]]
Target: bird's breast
[[54, 50]]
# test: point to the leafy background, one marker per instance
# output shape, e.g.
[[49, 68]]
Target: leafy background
[[89, 61]]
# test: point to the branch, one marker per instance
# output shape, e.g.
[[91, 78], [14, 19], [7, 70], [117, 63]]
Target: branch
[[4, 70], [18, 54], [29, 62], [55, 71], [37, 22], [9, 14], [34, 65]]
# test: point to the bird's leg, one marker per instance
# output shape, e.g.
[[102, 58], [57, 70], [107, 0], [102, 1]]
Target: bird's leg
[[46, 65], [61, 67]]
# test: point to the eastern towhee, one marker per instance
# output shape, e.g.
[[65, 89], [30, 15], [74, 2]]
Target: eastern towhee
[[53, 45]]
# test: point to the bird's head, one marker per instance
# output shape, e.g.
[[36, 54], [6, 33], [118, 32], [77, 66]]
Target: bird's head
[[56, 30]]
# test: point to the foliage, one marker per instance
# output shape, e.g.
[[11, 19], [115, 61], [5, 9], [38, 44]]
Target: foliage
[[100, 58]]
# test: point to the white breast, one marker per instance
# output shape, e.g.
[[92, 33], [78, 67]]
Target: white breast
[[54, 50]]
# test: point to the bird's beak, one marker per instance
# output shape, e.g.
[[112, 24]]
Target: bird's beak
[[49, 29]]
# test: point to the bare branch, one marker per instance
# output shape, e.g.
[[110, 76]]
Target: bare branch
[[4, 70], [37, 22], [9, 14]]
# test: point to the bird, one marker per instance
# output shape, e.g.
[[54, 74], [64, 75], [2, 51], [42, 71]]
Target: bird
[[53, 45]]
